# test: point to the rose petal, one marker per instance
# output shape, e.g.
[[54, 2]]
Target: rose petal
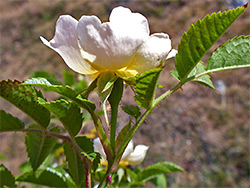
[[66, 44], [172, 54], [138, 155], [128, 150], [98, 148], [151, 53], [113, 43]]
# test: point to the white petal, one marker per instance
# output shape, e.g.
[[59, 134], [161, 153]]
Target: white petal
[[98, 148], [128, 150], [172, 54], [138, 155], [151, 53], [65, 43], [113, 43]]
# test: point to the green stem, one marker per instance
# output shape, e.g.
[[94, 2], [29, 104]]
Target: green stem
[[129, 136], [114, 100], [114, 112]]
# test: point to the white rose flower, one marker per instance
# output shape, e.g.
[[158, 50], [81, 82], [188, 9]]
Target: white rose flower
[[122, 45], [130, 156]]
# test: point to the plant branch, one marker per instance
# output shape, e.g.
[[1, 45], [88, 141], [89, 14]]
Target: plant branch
[[67, 139]]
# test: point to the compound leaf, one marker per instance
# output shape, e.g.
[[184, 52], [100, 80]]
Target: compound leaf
[[25, 98], [200, 38]]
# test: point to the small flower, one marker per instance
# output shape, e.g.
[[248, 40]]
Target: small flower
[[130, 156], [122, 45]]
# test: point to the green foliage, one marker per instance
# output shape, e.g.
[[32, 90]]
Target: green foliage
[[85, 144], [90, 88], [25, 98], [66, 91], [67, 112], [132, 110], [42, 74], [75, 165], [200, 37], [234, 54], [203, 80], [9, 122], [47, 75], [47, 84], [120, 138], [39, 145], [145, 87], [116, 94], [105, 84], [6, 178], [69, 78], [46, 177], [114, 100], [136, 184], [156, 169], [159, 181]]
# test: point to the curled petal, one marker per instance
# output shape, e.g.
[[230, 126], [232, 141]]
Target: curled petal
[[172, 54], [151, 53], [65, 43], [138, 155], [98, 148], [112, 43], [128, 150]]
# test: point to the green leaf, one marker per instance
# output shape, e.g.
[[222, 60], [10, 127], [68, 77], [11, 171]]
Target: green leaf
[[90, 156], [47, 75], [175, 74], [105, 79], [203, 80], [46, 177], [84, 103], [39, 145], [132, 110], [80, 85], [75, 165], [6, 178], [25, 98], [42, 74], [9, 122], [91, 87], [137, 184], [110, 84], [67, 112], [96, 162], [85, 144], [120, 138], [146, 87], [159, 181], [200, 38], [158, 168], [233, 54], [47, 84], [114, 100], [69, 78], [62, 90]]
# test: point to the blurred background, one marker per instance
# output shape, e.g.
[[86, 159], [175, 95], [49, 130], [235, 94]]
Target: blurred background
[[204, 131]]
